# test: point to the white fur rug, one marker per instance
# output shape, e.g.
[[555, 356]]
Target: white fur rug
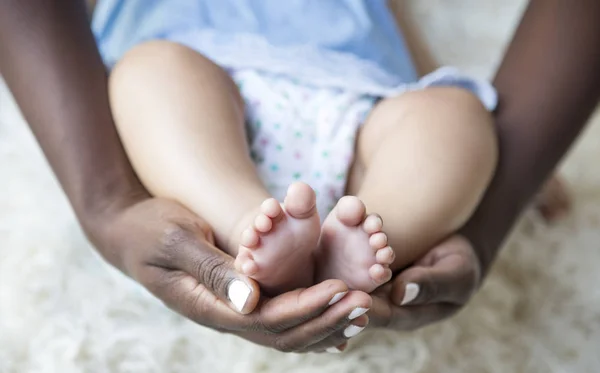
[[63, 310]]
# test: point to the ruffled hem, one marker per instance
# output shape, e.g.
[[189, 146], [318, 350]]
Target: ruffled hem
[[451, 76], [319, 67]]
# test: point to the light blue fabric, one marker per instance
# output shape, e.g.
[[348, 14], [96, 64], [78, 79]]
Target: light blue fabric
[[353, 45], [363, 28]]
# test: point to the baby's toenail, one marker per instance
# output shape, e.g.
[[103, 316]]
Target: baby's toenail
[[358, 311], [376, 271], [373, 224], [352, 330], [385, 255], [337, 297], [378, 240]]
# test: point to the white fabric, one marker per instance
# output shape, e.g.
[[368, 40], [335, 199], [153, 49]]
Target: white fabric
[[305, 133], [301, 133], [308, 63], [315, 68], [266, 31]]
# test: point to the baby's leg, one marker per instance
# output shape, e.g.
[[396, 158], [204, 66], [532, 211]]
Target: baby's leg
[[423, 162], [426, 158], [181, 119]]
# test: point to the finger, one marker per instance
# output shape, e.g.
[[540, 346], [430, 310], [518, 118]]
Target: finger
[[386, 315], [212, 284], [296, 307], [185, 295], [415, 317], [382, 308], [338, 341], [451, 275], [182, 293], [334, 349], [336, 320], [213, 269]]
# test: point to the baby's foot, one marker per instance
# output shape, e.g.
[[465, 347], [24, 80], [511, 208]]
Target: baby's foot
[[277, 250], [353, 248]]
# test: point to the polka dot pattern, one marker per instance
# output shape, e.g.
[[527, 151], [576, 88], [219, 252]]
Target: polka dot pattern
[[301, 133]]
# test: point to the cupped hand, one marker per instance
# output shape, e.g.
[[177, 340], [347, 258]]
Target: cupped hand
[[434, 288], [171, 252]]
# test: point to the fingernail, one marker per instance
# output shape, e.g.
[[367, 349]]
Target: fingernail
[[358, 311], [352, 330], [238, 293], [336, 298], [333, 350], [410, 293]]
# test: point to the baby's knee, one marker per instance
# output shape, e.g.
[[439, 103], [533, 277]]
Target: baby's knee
[[158, 59], [459, 116], [452, 118], [457, 108], [461, 132]]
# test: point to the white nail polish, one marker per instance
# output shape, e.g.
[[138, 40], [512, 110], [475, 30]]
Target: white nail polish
[[333, 350], [336, 298], [352, 330], [410, 293], [358, 311], [238, 293]]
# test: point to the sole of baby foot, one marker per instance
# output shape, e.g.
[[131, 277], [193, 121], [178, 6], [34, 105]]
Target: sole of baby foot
[[353, 247], [277, 248]]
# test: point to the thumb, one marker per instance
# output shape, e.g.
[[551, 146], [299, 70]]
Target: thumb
[[214, 269], [449, 274]]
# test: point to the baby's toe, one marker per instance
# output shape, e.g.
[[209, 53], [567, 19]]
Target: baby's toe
[[380, 274], [373, 224], [385, 255], [263, 223], [378, 240], [271, 208], [249, 238], [244, 262], [300, 201], [249, 268], [350, 211]]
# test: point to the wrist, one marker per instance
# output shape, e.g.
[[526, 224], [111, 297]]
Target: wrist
[[104, 220], [504, 202], [97, 207]]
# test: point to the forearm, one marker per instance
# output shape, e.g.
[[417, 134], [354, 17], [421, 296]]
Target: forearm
[[548, 84], [421, 53], [50, 62]]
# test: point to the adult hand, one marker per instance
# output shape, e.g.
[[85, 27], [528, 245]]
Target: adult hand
[[531, 142], [170, 251], [434, 288], [157, 242]]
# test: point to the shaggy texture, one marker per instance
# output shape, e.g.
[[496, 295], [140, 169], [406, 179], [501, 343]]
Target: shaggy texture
[[63, 310]]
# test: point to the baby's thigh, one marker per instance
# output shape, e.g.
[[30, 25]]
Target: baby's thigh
[[448, 115], [442, 144], [153, 65]]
